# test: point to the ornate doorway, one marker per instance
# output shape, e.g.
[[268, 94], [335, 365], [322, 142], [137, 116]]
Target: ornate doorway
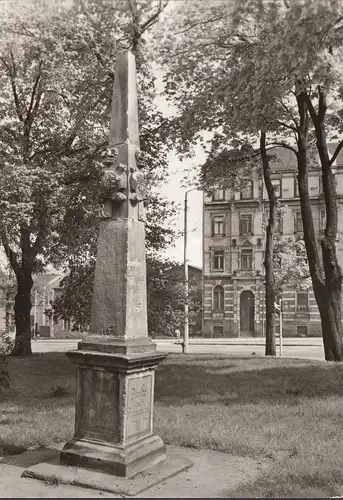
[[247, 313]]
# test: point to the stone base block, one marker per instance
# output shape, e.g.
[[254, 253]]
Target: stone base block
[[121, 461], [99, 343], [173, 465]]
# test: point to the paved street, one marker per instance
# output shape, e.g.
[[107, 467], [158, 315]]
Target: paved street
[[298, 348]]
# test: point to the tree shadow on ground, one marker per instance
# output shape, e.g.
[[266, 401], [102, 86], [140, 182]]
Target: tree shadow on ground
[[229, 380]]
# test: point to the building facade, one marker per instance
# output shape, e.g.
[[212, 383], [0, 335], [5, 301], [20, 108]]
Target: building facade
[[233, 252], [46, 288]]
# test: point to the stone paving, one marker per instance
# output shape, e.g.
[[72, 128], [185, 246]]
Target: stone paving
[[212, 474]]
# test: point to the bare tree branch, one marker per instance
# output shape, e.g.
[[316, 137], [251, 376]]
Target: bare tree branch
[[284, 145], [35, 99], [310, 107], [206, 21], [284, 125], [11, 255], [14, 87], [147, 24], [336, 153]]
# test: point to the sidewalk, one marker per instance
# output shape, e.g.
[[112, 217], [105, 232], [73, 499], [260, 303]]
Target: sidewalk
[[212, 474]]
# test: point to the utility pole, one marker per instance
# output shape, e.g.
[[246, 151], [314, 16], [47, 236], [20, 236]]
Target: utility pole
[[185, 261]]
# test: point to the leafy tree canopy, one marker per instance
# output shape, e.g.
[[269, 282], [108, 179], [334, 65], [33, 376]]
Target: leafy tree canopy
[[56, 75]]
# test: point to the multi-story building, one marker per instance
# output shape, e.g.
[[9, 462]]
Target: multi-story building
[[233, 252], [46, 288]]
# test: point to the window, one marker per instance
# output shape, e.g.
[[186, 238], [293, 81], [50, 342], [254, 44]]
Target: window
[[66, 324], [278, 225], [245, 224], [218, 225], [218, 331], [246, 259], [296, 188], [277, 187], [302, 330], [218, 195], [301, 257], [247, 191], [302, 301], [298, 224], [218, 298], [218, 260]]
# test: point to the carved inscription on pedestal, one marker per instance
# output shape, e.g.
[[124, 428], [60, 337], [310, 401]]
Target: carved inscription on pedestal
[[100, 414], [139, 406]]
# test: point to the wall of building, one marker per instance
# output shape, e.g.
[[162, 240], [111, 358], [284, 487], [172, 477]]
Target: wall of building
[[243, 310]]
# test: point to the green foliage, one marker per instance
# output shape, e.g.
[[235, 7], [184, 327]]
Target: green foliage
[[57, 74], [56, 78], [165, 294], [6, 346], [166, 297], [290, 264], [8, 286], [230, 168]]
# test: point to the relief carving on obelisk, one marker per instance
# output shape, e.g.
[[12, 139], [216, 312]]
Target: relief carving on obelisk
[[114, 184]]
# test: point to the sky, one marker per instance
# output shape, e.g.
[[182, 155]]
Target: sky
[[174, 190]]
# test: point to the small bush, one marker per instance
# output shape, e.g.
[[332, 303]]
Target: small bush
[[6, 347], [57, 392]]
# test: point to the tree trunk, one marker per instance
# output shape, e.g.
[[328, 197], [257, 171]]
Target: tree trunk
[[22, 309], [327, 286], [268, 260]]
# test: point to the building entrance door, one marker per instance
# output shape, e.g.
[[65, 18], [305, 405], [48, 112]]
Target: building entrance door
[[247, 313]]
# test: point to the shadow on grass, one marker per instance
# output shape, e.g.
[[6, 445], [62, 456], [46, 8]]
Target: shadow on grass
[[226, 381]]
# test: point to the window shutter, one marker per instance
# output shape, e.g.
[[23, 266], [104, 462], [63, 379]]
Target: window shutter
[[212, 225]]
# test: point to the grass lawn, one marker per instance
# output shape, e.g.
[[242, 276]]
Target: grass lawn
[[289, 411]]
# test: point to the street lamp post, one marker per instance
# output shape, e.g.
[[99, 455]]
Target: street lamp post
[[281, 332], [278, 307], [185, 261]]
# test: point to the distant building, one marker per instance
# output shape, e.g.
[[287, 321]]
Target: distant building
[[233, 252], [46, 288]]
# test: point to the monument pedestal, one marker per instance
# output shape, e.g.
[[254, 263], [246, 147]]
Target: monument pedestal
[[114, 412]]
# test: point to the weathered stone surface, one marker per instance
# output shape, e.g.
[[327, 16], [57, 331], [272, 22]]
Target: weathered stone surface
[[116, 345], [98, 413], [114, 410], [139, 406], [130, 363], [119, 306], [120, 461], [124, 119]]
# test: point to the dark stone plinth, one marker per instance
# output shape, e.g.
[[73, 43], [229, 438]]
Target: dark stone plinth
[[114, 412]]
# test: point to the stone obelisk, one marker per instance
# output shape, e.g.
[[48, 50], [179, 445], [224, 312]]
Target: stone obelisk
[[116, 363]]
